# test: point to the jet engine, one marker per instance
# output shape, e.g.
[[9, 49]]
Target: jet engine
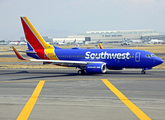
[[96, 68]]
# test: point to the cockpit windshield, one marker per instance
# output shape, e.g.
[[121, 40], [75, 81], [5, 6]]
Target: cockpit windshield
[[151, 55]]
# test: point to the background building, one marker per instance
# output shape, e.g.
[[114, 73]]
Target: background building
[[116, 36], [109, 36]]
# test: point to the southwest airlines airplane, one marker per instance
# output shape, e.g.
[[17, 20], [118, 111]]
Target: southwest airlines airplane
[[87, 60]]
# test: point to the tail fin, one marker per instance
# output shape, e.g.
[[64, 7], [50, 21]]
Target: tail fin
[[35, 41], [100, 45]]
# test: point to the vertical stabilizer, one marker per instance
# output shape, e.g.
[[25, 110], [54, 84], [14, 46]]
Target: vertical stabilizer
[[100, 45], [33, 37]]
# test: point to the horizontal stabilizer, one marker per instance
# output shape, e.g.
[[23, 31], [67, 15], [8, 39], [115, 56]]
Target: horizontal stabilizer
[[17, 54], [28, 52]]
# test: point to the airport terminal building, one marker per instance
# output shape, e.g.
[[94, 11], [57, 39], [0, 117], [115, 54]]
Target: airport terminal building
[[108, 36]]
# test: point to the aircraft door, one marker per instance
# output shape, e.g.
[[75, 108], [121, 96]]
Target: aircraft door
[[137, 57]]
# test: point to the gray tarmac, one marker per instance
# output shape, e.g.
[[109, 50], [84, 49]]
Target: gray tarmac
[[68, 96]]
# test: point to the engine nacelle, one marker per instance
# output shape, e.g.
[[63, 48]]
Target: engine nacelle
[[96, 68]]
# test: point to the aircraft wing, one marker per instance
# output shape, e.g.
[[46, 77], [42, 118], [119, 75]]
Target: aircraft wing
[[66, 62], [61, 62]]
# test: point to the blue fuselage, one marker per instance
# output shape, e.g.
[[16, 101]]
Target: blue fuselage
[[114, 58]]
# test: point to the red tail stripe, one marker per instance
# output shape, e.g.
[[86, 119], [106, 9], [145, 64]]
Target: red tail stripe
[[31, 38]]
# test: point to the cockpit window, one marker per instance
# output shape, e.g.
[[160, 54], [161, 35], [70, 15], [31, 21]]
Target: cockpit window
[[151, 55], [147, 56]]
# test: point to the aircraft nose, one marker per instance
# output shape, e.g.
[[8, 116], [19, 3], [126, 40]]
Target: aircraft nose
[[158, 61]]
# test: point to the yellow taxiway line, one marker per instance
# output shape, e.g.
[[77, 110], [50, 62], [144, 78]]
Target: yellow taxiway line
[[29, 105], [140, 114]]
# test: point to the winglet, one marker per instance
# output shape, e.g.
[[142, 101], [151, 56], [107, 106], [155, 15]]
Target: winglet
[[101, 47], [17, 54]]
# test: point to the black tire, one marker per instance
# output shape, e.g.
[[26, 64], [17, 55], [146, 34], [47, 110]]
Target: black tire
[[143, 72], [81, 72]]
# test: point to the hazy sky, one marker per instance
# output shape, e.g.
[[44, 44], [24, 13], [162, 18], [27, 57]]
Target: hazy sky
[[51, 17]]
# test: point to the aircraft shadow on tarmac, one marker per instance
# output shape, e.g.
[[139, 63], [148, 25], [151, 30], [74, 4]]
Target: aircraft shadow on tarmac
[[43, 75], [55, 74]]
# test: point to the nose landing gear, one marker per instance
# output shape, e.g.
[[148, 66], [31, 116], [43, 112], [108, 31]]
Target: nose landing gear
[[144, 70]]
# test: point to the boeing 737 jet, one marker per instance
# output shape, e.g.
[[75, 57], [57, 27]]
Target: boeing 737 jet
[[87, 60]]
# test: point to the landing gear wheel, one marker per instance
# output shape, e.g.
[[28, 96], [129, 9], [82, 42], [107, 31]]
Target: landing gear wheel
[[81, 72], [143, 72]]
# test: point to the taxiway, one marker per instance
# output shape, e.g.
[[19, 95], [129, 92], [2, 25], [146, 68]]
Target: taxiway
[[66, 95]]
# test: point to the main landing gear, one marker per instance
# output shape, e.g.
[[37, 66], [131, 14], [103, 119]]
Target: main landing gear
[[143, 72], [81, 72]]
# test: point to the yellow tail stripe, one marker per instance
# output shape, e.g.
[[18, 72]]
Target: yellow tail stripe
[[29, 105], [140, 114], [45, 45], [101, 47], [50, 53]]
